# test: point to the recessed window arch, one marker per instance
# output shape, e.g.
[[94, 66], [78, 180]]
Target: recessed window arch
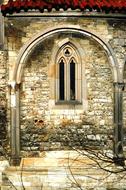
[[68, 55], [69, 76]]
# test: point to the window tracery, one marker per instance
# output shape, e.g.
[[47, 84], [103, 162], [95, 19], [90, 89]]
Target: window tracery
[[68, 71]]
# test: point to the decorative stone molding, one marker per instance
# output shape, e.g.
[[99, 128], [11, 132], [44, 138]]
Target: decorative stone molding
[[81, 97], [30, 46]]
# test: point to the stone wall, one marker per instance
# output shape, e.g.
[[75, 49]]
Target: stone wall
[[45, 125], [41, 126], [3, 102], [45, 128]]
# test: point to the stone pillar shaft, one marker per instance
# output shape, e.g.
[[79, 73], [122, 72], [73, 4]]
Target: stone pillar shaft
[[15, 130], [118, 123]]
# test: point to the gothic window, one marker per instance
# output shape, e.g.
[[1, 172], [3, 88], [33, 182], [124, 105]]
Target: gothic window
[[68, 72]]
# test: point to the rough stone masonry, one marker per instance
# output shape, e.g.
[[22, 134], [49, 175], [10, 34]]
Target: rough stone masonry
[[47, 127]]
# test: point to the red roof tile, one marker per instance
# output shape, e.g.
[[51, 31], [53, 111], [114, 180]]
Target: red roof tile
[[105, 6]]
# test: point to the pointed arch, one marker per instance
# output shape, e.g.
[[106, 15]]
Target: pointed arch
[[66, 42], [68, 87]]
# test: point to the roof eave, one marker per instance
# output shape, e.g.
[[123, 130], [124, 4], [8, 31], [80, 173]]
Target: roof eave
[[68, 13]]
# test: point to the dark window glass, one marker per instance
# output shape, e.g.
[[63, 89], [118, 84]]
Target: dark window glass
[[61, 80], [72, 80]]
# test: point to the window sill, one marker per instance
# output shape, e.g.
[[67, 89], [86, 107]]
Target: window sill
[[70, 102]]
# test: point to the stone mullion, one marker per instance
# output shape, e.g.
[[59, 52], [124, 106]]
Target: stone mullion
[[118, 123], [67, 81], [79, 82], [57, 82]]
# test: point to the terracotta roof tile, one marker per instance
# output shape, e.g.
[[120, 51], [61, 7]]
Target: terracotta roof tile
[[105, 6]]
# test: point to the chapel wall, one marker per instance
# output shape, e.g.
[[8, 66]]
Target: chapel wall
[[58, 128], [43, 128]]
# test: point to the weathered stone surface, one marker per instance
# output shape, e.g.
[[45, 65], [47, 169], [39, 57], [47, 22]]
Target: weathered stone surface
[[41, 124], [35, 89], [3, 102], [46, 129], [61, 170]]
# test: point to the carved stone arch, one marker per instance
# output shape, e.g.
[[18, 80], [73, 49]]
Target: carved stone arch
[[73, 58], [20, 65], [59, 45], [61, 59], [30, 46], [70, 42]]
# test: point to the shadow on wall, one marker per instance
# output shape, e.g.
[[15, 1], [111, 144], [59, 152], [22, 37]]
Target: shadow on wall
[[40, 136], [3, 131]]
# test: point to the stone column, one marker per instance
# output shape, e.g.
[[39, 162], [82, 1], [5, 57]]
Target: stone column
[[15, 131], [118, 124], [1, 28]]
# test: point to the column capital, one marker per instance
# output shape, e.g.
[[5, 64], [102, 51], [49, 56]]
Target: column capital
[[13, 85], [119, 85]]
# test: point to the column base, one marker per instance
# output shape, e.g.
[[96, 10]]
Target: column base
[[119, 161], [15, 161]]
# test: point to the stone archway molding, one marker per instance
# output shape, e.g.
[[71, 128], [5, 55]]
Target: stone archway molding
[[37, 39], [18, 73]]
